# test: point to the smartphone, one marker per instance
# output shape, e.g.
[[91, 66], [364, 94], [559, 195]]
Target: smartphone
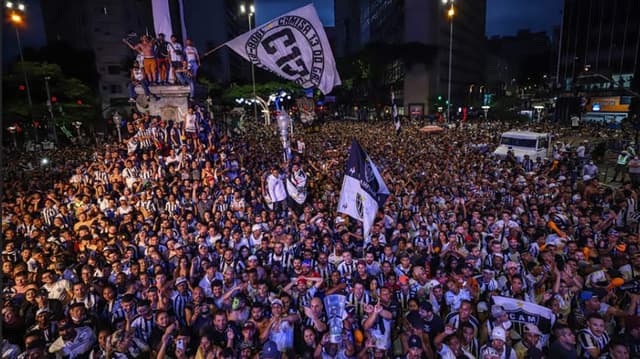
[[180, 344]]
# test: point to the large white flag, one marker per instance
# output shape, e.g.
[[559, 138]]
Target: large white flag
[[363, 189], [521, 313], [293, 46]]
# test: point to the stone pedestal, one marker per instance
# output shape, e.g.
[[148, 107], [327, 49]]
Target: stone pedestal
[[174, 100]]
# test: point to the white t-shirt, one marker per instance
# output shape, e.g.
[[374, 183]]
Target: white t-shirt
[[275, 186], [174, 48], [191, 53], [58, 290]]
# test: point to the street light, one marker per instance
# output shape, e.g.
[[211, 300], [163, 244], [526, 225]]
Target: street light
[[486, 108], [450, 13], [538, 109], [250, 13], [116, 121], [77, 125], [12, 130], [50, 108], [209, 105], [16, 16]]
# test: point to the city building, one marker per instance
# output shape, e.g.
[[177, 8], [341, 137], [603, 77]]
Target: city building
[[101, 26], [424, 22], [599, 44], [518, 63]]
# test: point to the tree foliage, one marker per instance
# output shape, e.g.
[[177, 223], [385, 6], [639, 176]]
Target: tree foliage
[[73, 100], [365, 75]]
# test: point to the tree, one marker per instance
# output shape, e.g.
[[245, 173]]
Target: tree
[[72, 100], [367, 73]]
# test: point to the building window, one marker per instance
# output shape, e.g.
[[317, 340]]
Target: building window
[[115, 89], [114, 69]]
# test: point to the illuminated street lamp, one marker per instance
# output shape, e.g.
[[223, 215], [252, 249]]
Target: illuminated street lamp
[[12, 130], [486, 108], [16, 17], [77, 125], [538, 109], [250, 13], [450, 14]]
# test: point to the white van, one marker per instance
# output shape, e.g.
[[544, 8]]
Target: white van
[[534, 144]]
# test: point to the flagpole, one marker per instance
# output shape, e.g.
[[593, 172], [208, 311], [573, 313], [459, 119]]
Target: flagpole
[[213, 50]]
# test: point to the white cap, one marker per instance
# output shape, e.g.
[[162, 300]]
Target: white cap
[[586, 178], [256, 227], [498, 333]]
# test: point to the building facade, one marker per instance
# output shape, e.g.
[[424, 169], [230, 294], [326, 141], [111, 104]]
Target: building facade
[[101, 26], [423, 22], [600, 40]]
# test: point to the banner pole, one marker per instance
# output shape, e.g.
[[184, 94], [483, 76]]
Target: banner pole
[[213, 50]]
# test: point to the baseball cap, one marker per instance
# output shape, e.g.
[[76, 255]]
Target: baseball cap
[[531, 329], [181, 280], [414, 342], [276, 301], [497, 310], [302, 281], [498, 333], [256, 227], [270, 350]]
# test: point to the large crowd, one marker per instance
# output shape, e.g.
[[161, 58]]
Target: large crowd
[[163, 246]]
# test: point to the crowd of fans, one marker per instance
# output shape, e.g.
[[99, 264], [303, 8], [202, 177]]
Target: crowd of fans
[[163, 246]]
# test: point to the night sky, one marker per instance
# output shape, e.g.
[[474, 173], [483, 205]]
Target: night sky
[[504, 17], [31, 34], [269, 9]]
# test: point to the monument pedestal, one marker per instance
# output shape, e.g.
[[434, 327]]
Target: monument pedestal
[[174, 100]]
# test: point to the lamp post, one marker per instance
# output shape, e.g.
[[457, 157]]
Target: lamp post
[[538, 109], [486, 108], [250, 13], [12, 130], [209, 104], [77, 125], [450, 14], [16, 17], [50, 109], [116, 121]]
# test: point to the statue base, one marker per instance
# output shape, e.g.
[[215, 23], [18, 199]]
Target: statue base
[[174, 100]]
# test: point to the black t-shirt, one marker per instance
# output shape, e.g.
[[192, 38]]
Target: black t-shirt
[[434, 327], [556, 350], [162, 49]]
